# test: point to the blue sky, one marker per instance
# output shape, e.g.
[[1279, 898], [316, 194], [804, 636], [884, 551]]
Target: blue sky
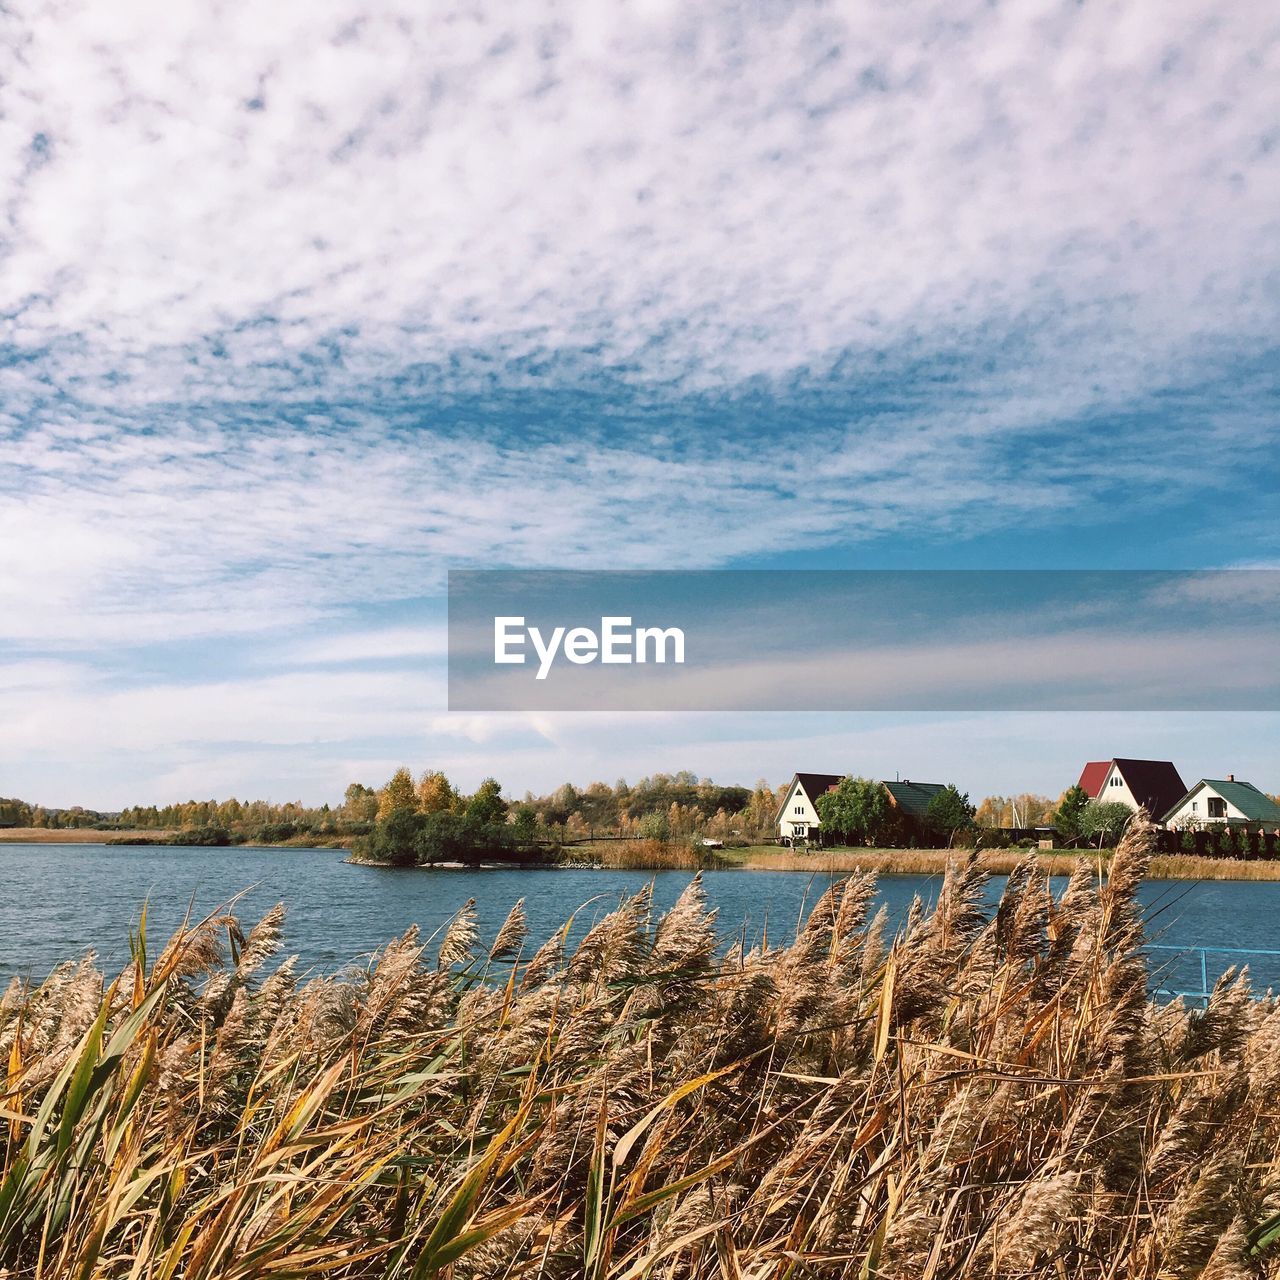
[[300, 309]]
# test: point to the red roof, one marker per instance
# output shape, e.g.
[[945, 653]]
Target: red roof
[[1093, 775]]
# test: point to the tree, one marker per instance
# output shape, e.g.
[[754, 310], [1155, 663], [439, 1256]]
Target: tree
[[487, 805], [360, 803], [395, 838], [857, 810], [450, 837], [1025, 810], [524, 825], [398, 796], [435, 794], [1104, 821], [949, 811], [1071, 807]]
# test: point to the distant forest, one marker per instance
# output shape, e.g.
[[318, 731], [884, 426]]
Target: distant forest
[[664, 806]]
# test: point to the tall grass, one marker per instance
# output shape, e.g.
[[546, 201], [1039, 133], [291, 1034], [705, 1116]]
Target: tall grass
[[646, 855], [997, 862], [981, 1095]]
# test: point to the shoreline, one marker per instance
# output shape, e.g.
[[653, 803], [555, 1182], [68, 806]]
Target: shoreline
[[888, 862], [133, 839], [1058, 862], [900, 862]]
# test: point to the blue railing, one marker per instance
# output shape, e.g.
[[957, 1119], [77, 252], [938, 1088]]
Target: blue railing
[[1266, 974]]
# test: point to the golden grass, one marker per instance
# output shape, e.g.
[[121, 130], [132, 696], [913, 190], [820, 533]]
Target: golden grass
[[642, 855], [77, 835], [995, 861], [987, 1094]]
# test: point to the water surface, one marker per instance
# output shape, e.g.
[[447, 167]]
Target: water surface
[[59, 901]]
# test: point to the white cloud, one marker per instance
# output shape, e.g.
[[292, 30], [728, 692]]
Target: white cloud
[[267, 269], [393, 642], [710, 192]]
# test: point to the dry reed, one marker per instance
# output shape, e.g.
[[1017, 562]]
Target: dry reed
[[986, 1094]]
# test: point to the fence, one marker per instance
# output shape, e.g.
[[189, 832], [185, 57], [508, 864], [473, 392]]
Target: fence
[[1226, 840], [1186, 965]]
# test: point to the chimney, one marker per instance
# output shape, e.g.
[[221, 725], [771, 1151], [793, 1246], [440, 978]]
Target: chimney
[[1231, 777]]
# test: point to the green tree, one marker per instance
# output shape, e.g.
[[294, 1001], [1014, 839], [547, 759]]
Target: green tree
[[949, 812], [395, 838], [524, 825], [487, 805], [655, 826], [1071, 806], [856, 811], [1104, 821]]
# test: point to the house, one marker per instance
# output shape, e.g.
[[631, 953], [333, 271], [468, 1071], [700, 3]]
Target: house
[[797, 816], [911, 799], [1153, 785], [1214, 800]]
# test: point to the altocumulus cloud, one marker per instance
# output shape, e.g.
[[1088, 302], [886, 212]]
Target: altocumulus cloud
[[301, 304]]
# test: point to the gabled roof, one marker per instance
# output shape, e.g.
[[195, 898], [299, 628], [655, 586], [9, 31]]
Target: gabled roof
[[1093, 775], [1254, 804], [1156, 784], [814, 784], [913, 797]]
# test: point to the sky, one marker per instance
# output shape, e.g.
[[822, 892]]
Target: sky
[[303, 305]]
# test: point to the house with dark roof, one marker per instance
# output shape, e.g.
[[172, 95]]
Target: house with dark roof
[[797, 816], [911, 799], [1222, 800], [1153, 785]]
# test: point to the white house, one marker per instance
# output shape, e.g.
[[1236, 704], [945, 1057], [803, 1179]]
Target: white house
[[1153, 785], [1222, 800], [797, 816]]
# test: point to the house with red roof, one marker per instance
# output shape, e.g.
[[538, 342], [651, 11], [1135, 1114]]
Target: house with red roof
[[1153, 785]]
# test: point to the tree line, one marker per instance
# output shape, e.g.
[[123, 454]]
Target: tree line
[[429, 821], [662, 806]]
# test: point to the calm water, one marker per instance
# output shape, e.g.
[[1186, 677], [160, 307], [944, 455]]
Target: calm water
[[59, 901]]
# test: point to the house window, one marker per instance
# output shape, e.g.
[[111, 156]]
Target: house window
[[1195, 804], [799, 808], [1217, 807]]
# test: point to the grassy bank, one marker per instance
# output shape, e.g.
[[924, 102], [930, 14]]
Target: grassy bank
[[73, 835], [996, 861], [990, 1094], [84, 835]]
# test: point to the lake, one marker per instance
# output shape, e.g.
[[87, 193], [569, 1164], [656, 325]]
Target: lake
[[59, 901]]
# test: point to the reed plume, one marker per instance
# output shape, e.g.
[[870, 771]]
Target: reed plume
[[985, 1092]]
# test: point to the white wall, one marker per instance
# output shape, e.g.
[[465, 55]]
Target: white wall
[[797, 811], [1116, 789], [1185, 815]]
